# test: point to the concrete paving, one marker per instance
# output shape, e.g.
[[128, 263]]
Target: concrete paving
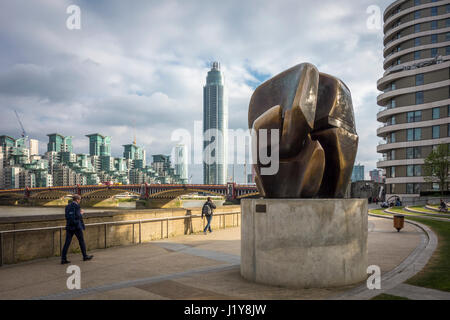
[[187, 267]]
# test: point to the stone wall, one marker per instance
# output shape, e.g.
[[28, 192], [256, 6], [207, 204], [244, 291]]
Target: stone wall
[[24, 246]]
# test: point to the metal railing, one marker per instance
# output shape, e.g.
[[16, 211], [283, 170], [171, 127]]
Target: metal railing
[[222, 222]]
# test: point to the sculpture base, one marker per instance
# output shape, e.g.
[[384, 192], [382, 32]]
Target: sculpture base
[[304, 243]]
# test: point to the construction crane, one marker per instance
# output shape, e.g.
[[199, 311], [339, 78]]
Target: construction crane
[[24, 134]]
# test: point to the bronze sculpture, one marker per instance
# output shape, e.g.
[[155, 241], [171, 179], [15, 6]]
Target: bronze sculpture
[[312, 114]]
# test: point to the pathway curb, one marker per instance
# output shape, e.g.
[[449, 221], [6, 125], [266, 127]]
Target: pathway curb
[[414, 263]]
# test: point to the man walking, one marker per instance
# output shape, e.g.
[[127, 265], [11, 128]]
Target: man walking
[[74, 226], [207, 211]]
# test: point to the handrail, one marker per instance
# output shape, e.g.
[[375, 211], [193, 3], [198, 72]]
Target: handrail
[[117, 222], [105, 224]]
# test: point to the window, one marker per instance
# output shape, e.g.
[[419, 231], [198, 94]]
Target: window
[[434, 38], [393, 120], [413, 153], [434, 25], [419, 97], [436, 113], [392, 137], [416, 188], [410, 188], [435, 186], [392, 172], [410, 171], [447, 8], [434, 52], [414, 116], [417, 55], [417, 42], [413, 171], [447, 50], [417, 2], [417, 171], [419, 79], [393, 103], [447, 22], [447, 36], [448, 130], [417, 28], [417, 14], [448, 111], [434, 11], [436, 132], [414, 134], [393, 86]]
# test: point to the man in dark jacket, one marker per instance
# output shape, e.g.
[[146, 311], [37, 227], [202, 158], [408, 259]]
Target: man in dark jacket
[[207, 211], [74, 226]]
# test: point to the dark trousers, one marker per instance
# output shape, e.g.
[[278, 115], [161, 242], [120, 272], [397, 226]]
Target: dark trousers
[[69, 235]]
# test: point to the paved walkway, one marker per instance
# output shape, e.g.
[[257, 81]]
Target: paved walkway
[[418, 293], [186, 267]]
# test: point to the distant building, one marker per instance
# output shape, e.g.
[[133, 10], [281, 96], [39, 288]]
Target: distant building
[[215, 118], [376, 175], [99, 145], [59, 143], [34, 147], [358, 173], [181, 162]]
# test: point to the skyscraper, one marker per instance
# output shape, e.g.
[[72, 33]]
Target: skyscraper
[[415, 105], [215, 127]]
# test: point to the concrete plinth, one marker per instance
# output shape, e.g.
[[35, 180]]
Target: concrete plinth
[[304, 243]]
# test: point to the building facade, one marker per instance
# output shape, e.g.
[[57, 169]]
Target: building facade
[[415, 98], [215, 127], [358, 173]]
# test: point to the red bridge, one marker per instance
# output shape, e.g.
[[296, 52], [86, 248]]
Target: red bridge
[[231, 191]]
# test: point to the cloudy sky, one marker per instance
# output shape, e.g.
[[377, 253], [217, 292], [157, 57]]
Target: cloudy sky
[[143, 64]]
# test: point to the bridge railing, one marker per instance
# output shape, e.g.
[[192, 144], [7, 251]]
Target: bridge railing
[[139, 223]]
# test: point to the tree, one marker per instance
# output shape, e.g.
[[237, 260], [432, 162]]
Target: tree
[[436, 167]]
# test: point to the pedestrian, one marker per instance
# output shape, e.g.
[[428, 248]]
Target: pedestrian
[[207, 211], [74, 226]]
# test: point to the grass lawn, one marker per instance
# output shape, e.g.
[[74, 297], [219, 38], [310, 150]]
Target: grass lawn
[[385, 296], [436, 274], [423, 209]]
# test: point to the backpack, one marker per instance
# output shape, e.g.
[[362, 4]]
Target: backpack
[[206, 210], [71, 217]]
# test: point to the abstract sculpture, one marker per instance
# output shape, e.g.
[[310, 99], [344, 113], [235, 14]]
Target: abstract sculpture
[[312, 114]]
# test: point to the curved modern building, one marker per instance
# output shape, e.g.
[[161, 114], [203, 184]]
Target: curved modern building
[[215, 127], [416, 92]]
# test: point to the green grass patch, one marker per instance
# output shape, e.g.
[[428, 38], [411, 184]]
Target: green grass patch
[[385, 296], [436, 274], [423, 209], [380, 212]]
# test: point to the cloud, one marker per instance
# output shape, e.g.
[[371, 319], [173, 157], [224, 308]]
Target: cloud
[[141, 66]]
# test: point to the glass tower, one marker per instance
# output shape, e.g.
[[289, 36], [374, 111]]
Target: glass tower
[[215, 127]]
